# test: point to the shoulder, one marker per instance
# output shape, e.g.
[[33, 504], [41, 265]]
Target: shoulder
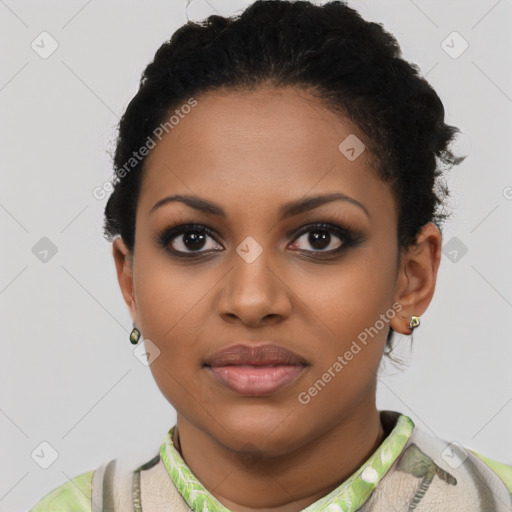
[[109, 486], [72, 496], [461, 468], [504, 471]]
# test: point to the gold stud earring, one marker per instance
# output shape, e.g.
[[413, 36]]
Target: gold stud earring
[[135, 335], [414, 322]]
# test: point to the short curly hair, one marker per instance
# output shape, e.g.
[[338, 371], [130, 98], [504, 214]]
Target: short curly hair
[[354, 66]]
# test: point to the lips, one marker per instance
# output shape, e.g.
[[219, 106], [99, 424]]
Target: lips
[[254, 355], [255, 370]]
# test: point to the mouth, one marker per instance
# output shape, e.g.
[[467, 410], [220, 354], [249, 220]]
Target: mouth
[[255, 370]]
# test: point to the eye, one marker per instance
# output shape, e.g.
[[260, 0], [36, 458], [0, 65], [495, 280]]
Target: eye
[[188, 239], [320, 237]]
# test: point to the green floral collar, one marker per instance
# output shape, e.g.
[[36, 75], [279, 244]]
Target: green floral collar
[[347, 497]]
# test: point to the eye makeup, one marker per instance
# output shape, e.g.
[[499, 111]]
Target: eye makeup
[[197, 234]]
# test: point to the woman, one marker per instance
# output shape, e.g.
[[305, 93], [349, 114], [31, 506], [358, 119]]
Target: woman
[[275, 220]]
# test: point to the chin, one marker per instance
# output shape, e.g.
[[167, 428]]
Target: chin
[[258, 434]]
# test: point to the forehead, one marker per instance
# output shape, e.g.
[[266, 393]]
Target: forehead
[[273, 144]]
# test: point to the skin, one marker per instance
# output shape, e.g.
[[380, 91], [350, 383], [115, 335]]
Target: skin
[[251, 152]]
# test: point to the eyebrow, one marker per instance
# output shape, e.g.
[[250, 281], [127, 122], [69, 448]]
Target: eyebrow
[[287, 210]]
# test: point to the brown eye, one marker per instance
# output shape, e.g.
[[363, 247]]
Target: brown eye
[[325, 239], [319, 240], [188, 239]]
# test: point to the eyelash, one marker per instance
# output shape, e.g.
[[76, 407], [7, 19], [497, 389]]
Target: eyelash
[[348, 238]]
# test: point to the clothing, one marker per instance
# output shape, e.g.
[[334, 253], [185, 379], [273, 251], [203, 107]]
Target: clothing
[[410, 470]]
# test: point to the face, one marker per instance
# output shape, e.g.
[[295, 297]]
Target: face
[[316, 281]]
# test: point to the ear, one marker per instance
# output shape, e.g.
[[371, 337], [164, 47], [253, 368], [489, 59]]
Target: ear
[[417, 274], [123, 259]]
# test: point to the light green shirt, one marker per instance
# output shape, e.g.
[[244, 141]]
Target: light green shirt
[[410, 470]]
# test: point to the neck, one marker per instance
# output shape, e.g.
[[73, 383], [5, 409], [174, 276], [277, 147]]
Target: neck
[[287, 483]]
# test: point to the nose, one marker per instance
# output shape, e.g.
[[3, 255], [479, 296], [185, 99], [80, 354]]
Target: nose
[[254, 294]]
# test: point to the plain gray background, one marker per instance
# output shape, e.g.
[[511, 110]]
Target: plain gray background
[[69, 376]]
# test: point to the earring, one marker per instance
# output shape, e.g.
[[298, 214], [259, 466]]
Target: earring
[[135, 335], [414, 322]]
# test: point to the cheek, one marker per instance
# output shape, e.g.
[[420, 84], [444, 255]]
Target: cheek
[[165, 306], [352, 296], [349, 352], [170, 311], [348, 305], [163, 292]]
